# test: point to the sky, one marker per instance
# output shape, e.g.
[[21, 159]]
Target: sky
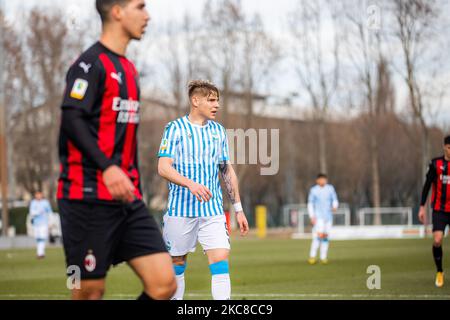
[[273, 14]]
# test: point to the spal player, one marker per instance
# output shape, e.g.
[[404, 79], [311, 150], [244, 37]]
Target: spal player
[[193, 152], [322, 202]]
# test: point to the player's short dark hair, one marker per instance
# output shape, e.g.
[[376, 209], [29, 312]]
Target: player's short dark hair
[[322, 175], [202, 87], [103, 7], [447, 140]]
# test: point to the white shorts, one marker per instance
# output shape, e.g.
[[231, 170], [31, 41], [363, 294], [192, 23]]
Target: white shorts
[[181, 234], [40, 232], [322, 226]]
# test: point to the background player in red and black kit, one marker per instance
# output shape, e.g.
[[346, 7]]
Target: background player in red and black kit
[[103, 218], [438, 177]]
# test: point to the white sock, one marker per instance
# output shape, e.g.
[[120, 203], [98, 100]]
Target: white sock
[[41, 248], [314, 247], [179, 294], [324, 249], [221, 286]]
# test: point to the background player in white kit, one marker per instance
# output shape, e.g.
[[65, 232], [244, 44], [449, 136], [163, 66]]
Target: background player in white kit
[[322, 202], [194, 149], [40, 211]]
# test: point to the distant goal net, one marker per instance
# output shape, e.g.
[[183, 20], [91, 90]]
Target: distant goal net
[[366, 223], [385, 216], [296, 216]]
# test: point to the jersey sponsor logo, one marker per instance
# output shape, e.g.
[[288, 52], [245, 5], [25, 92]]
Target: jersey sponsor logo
[[117, 77], [128, 110], [445, 179], [90, 262], [83, 65], [79, 89]]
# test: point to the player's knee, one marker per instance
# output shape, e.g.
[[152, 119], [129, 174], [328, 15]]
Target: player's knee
[[163, 290], [437, 239], [179, 260], [218, 255], [322, 236], [162, 286]]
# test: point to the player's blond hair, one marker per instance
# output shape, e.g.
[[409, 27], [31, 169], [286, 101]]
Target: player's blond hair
[[202, 87]]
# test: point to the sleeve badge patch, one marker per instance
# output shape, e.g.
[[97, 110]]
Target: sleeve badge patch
[[79, 89], [164, 145]]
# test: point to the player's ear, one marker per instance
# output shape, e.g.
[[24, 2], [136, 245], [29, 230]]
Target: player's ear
[[194, 100], [116, 12]]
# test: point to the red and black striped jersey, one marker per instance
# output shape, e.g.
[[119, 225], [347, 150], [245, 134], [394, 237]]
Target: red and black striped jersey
[[105, 87], [438, 178]]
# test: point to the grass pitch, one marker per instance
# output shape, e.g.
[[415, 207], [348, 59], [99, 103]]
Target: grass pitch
[[260, 269]]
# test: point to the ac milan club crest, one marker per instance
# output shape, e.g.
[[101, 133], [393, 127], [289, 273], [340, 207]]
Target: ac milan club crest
[[90, 262]]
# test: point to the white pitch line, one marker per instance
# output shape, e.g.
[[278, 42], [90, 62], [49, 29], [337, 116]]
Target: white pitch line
[[254, 295]]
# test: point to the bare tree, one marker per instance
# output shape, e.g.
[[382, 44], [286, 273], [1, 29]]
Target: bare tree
[[363, 47], [317, 65], [219, 43], [414, 22], [261, 54], [39, 58]]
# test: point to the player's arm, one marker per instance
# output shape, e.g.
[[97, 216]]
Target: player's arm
[[430, 177], [49, 207], [34, 211], [167, 150], [232, 188], [81, 93], [311, 213], [168, 172], [335, 201]]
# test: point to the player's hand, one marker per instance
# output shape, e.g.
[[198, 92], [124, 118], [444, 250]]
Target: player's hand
[[118, 184], [201, 192], [313, 221], [334, 210], [242, 222], [423, 215]]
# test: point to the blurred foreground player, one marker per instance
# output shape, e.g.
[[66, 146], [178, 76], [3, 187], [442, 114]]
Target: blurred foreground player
[[438, 177], [103, 217]]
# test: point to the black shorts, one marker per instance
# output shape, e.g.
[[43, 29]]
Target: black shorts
[[440, 220], [96, 236]]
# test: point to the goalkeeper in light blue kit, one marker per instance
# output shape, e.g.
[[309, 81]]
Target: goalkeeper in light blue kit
[[40, 210], [322, 202]]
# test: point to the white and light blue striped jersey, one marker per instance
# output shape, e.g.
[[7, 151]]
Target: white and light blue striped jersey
[[197, 152], [321, 200], [39, 211]]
